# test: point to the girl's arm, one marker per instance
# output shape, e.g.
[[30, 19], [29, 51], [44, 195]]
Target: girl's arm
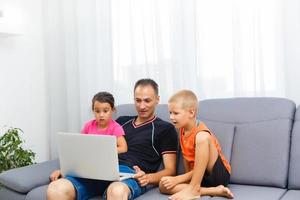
[[121, 144]]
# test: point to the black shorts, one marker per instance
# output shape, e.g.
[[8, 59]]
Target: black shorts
[[219, 175]]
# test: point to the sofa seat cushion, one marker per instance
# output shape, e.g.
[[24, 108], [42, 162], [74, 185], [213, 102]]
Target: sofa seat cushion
[[291, 195], [26, 178], [37, 193], [10, 194], [247, 192], [155, 194]]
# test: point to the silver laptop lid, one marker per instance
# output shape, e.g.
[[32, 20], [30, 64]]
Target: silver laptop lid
[[88, 156]]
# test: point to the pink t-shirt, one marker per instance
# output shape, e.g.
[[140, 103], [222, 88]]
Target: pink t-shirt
[[113, 128]]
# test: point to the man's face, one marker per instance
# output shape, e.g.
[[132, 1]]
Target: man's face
[[145, 101]]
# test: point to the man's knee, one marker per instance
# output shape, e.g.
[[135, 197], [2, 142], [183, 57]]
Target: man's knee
[[61, 189], [117, 190]]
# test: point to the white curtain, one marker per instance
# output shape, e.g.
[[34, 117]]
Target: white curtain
[[216, 48]]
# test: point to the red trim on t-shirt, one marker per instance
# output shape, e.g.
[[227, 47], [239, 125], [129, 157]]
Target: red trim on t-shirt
[[168, 152], [142, 124]]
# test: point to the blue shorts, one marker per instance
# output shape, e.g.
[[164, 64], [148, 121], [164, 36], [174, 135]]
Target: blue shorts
[[88, 188]]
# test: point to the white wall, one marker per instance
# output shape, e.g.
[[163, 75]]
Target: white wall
[[23, 100]]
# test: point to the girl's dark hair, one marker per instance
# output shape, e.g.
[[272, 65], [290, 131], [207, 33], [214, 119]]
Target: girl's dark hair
[[104, 97], [145, 82]]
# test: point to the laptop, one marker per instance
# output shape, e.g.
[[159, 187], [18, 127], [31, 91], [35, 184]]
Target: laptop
[[89, 156]]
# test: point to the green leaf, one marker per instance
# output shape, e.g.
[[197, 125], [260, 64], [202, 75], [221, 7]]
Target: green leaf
[[12, 154]]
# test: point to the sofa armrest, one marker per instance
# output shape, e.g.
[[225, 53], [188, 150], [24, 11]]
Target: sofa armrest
[[26, 178]]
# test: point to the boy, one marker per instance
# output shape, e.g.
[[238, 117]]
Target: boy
[[203, 159]]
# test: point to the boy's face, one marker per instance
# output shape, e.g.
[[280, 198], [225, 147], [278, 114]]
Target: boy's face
[[179, 116], [103, 113], [145, 100]]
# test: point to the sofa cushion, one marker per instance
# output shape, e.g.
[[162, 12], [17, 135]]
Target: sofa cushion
[[291, 195], [247, 192], [38, 193], [260, 153], [24, 179], [294, 173], [246, 109], [125, 109], [155, 194], [10, 194]]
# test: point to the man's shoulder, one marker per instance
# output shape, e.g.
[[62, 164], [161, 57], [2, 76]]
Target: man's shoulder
[[163, 124], [124, 119]]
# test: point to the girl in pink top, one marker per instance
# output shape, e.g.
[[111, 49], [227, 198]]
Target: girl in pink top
[[103, 108]]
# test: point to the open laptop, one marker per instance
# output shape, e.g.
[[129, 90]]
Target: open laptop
[[89, 156]]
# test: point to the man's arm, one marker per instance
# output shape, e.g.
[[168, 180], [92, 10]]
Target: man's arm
[[169, 161]]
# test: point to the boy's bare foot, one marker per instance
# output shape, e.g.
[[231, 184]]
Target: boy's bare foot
[[223, 192], [187, 193]]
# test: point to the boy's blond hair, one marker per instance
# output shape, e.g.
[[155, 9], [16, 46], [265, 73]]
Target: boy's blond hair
[[186, 98]]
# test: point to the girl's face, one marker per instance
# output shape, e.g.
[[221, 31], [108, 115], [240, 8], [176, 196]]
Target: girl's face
[[103, 113]]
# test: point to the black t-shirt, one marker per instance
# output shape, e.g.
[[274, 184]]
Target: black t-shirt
[[147, 142]]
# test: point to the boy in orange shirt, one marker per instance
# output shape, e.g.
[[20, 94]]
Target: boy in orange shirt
[[207, 172]]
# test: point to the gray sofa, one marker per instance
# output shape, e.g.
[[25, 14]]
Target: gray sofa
[[259, 136]]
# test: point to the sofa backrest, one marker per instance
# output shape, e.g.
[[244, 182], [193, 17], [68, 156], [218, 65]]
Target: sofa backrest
[[294, 173], [254, 134]]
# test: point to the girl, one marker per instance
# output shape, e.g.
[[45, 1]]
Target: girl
[[103, 106]]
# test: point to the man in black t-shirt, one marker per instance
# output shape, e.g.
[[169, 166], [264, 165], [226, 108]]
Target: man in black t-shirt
[[151, 141]]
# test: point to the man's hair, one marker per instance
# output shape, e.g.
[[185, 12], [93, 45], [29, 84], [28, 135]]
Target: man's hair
[[104, 97], [146, 82], [186, 98]]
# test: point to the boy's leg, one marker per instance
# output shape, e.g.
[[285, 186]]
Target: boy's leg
[[213, 184], [220, 191], [205, 155], [173, 190]]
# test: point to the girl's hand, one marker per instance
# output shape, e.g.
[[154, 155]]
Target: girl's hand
[[169, 181], [55, 175]]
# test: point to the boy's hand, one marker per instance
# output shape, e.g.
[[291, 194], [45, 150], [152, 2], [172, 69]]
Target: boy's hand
[[169, 181], [141, 176], [55, 175]]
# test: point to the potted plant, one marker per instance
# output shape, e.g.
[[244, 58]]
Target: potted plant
[[12, 153]]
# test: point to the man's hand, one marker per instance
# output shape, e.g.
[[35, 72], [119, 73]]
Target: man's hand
[[55, 175], [169, 181], [141, 176]]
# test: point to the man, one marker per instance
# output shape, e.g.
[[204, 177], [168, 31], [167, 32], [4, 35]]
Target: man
[[150, 140]]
